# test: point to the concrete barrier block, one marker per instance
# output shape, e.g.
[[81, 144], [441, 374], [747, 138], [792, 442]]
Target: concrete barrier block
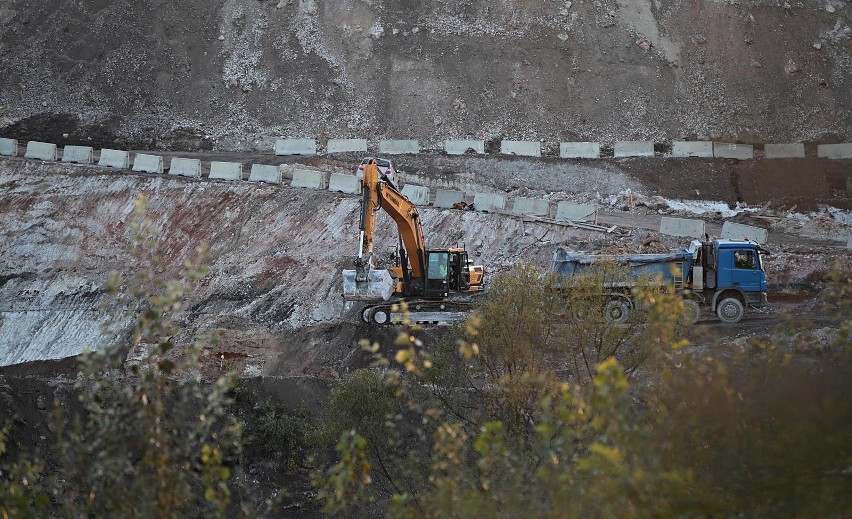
[[633, 149], [419, 195], [702, 149], [685, 227], [309, 178], [567, 211], [461, 146], [399, 147], [295, 147], [835, 151], [486, 202], [265, 173], [445, 198], [346, 145], [522, 148], [185, 167], [579, 150], [41, 150], [114, 159], [344, 183], [849, 241], [9, 147], [724, 150], [783, 151], [148, 163], [78, 154], [531, 206], [226, 170], [738, 231]]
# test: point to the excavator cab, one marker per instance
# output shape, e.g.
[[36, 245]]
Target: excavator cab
[[438, 274]]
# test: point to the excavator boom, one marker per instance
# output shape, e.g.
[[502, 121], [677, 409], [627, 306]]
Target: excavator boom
[[365, 283]]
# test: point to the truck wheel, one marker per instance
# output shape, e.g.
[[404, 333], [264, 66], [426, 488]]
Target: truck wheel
[[730, 310], [365, 314], [616, 311], [691, 311]]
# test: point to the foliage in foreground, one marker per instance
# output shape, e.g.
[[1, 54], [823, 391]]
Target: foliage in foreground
[[752, 429], [150, 438]]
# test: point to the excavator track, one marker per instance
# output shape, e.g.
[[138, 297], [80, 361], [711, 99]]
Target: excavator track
[[420, 311]]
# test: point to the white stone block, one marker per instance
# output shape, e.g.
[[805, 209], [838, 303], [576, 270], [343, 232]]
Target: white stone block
[[398, 147], [569, 212], [461, 146], [41, 150], [145, 163], [185, 167], [835, 151], [295, 147], [78, 154], [579, 150], [445, 198], [531, 206], [685, 227], [344, 183], [486, 202], [702, 149], [738, 231], [419, 195], [346, 145], [633, 149], [522, 148], [309, 178], [9, 147], [226, 170], [783, 151], [114, 159], [265, 173], [724, 150]]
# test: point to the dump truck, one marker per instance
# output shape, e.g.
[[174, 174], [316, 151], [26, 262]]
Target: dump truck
[[439, 285], [726, 276]]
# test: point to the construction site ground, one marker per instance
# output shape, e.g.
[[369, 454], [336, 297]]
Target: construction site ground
[[272, 295]]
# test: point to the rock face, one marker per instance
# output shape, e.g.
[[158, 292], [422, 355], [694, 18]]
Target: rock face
[[273, 292], [232, 74]]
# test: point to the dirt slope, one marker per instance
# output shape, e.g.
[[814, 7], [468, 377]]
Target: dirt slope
[[231, 74]]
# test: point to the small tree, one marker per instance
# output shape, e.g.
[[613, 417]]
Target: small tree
[[153, 439]]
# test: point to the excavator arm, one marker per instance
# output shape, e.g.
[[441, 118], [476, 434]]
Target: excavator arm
[[366, 283], [381, 194]]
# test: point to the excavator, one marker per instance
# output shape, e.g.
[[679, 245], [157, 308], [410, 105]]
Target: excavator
[[439, 285]]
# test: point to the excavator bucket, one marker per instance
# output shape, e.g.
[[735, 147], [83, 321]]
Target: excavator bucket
[[379, 286]]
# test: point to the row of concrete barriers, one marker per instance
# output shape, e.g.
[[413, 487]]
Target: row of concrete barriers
[[142, 162], [314, 179], [568, 150]]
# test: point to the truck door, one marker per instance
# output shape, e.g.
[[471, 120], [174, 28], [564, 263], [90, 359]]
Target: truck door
[[746, 273]]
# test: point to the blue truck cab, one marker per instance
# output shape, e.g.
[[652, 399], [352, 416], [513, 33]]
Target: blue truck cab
[[731, 277]]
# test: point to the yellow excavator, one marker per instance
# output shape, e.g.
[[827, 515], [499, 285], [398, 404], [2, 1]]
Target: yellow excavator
[[436, 283]]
